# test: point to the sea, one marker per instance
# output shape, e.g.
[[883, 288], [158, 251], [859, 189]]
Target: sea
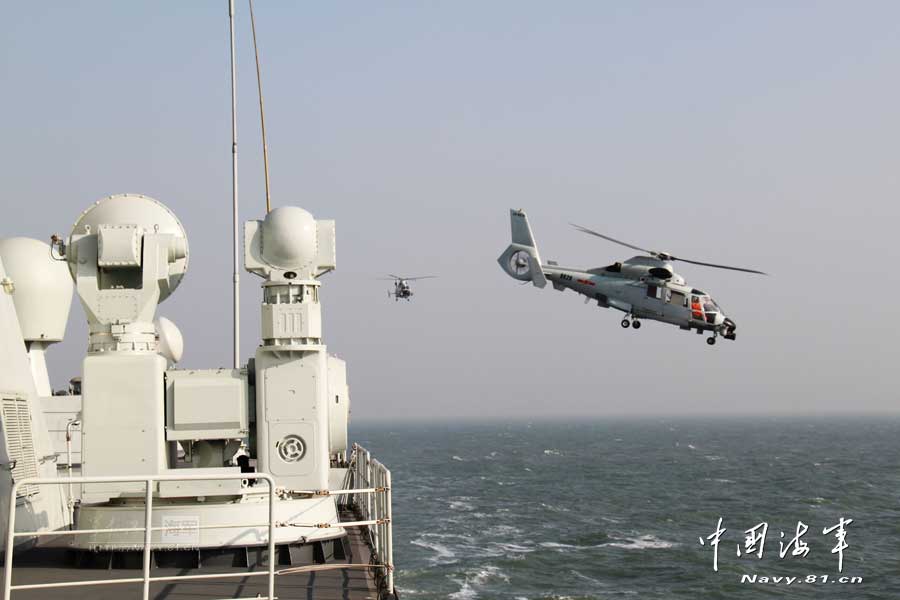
[[644, 508]]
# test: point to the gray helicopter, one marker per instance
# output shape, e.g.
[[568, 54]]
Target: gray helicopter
[[401, 285], [643, 287]]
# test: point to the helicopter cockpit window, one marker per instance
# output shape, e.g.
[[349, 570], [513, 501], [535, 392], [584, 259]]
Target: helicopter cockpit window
[[677, 298]]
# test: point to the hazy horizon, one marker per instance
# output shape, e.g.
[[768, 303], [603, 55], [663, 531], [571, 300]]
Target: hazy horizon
[[763, 135]]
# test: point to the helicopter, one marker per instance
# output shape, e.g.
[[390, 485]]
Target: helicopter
[[643, 287], [401, 285]]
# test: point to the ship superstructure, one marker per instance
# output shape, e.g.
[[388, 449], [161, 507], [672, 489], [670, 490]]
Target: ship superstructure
[[163, 467]]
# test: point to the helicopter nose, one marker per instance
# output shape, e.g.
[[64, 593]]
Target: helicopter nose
[[728, 326]]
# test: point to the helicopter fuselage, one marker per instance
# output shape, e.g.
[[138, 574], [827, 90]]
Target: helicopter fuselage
[[643, 287], [401, 290], [621, 286]]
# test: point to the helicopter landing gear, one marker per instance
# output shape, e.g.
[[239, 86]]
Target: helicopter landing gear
[[711, 340], [636, 324], [625, 323]]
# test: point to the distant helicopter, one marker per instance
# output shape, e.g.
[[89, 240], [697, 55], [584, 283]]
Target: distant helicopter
[[643, 287], [401, 285]]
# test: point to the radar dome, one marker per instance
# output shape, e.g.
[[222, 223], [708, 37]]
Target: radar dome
[[41, 288], [144, 211], [289, 238], [171, 342]]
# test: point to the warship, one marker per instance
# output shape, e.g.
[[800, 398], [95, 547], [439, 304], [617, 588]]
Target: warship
[[148, 480]]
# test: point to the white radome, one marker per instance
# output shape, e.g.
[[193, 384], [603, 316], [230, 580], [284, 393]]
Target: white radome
[[171, 342], [289, 237], [42, 288]]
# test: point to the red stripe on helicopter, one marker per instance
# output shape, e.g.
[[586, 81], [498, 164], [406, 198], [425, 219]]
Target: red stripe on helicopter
[[585, 281]]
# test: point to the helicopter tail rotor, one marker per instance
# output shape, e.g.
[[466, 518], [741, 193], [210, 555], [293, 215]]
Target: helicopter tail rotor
[[521, 260]]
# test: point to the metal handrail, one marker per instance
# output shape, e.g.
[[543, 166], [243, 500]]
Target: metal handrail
[[369, 473], [376, 510], [148, 480]]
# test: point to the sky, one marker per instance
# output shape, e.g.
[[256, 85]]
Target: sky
[[762, 134]]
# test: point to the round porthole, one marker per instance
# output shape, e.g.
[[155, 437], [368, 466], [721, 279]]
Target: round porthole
[[291, 448]]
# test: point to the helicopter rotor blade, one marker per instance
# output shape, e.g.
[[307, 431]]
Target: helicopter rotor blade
[[614, 240], [706, 264], [422, 277], [663, 256]]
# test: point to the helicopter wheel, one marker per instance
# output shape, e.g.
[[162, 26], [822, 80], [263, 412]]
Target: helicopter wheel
[[625, 323], [711, 340], [636, 324]]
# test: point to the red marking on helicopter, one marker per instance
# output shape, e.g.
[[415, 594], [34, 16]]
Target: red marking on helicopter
[[585, 281]]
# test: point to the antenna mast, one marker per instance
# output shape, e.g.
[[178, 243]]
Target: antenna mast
[[262, 112], [234, 190]]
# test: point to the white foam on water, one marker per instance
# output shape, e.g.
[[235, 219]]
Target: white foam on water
[[450, 536], [643, 542], [610, 520], [443, 554], [552, 452], [513, 548], [503, 530], [586, 578], [476, 578], [560, 547], [455, 457]]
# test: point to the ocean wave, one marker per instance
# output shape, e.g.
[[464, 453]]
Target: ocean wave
[[443, 554], [475, 578], [461, 503], [643, 542], [552, 452], [561, 546], [513, 548], [587, 578]]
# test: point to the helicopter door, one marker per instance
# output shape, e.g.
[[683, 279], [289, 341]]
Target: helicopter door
[[655, 294]]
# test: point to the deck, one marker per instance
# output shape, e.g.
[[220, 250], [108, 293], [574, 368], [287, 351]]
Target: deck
[[55, 565]]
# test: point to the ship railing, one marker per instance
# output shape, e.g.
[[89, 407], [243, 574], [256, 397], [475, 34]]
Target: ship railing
[[367, 473], [148, 529], [375, 509]]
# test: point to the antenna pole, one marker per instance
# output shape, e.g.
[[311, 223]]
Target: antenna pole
[[262, 111], [234, 190]]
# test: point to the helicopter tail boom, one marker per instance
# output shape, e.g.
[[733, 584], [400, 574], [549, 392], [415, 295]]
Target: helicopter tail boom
[[521, 260]]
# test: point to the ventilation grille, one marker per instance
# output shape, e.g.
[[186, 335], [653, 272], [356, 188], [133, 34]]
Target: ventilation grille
[[20, 443], [291, 449]]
